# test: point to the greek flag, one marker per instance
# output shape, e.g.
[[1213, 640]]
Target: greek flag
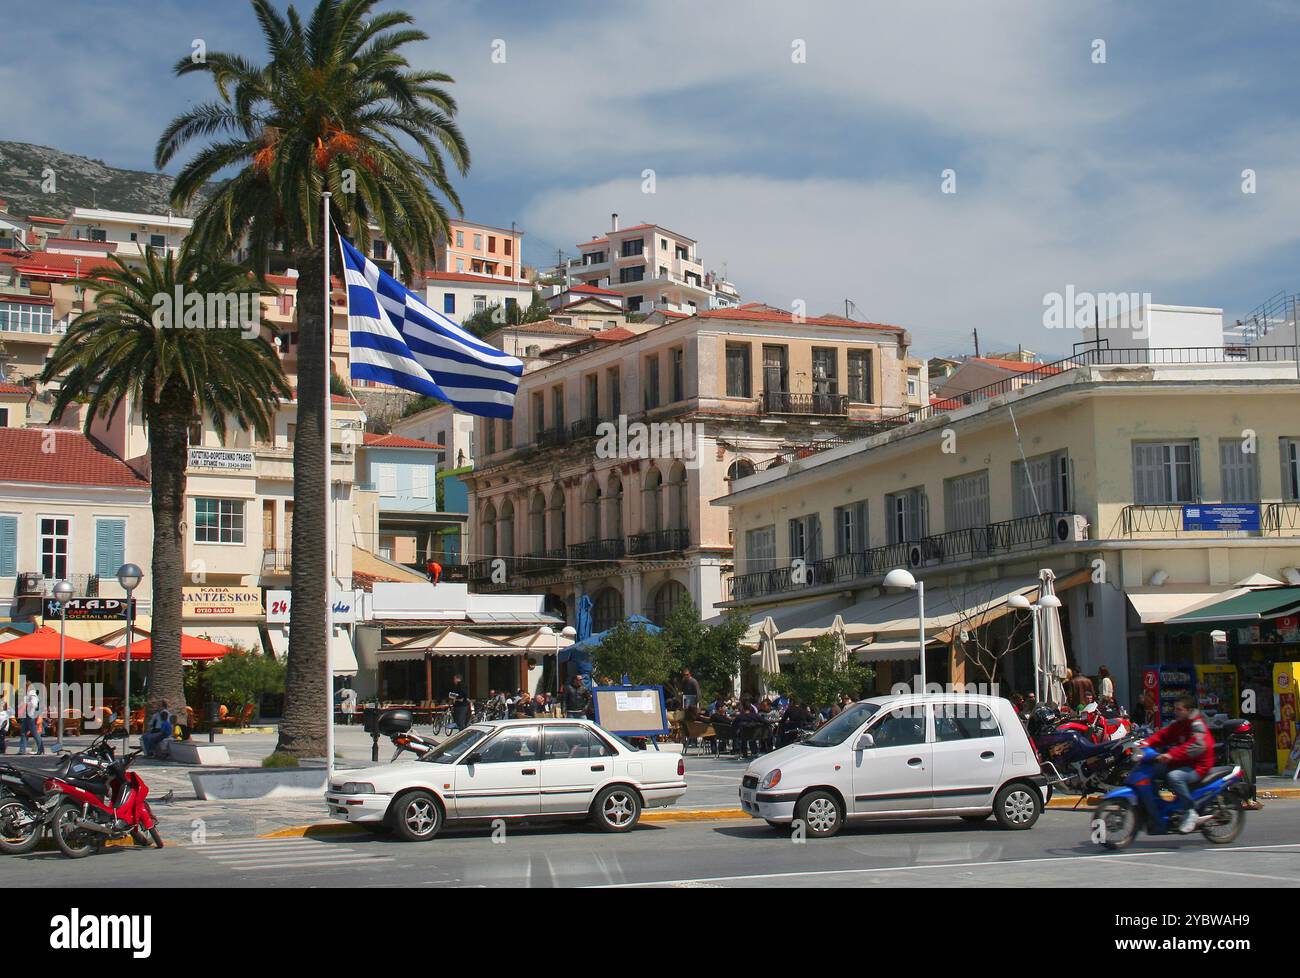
[[396, 339]]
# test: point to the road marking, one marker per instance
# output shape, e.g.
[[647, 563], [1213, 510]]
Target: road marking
[[881, 869], [1227, 872], [294, 853]]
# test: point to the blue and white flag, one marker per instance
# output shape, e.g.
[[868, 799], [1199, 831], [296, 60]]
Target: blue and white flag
[[396, 339]]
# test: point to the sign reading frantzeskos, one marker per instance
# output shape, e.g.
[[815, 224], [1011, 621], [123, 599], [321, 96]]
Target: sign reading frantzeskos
[[209, 602], [221, 459], [280, 602]]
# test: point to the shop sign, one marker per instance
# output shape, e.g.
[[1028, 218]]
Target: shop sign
[[279, 603], [221, 602], [221, 459], [89, 609], [1243, 517]]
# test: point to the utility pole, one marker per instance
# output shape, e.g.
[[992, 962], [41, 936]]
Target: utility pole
[[976, 333]]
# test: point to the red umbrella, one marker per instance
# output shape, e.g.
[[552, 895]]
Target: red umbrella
[[192, 648], [43, 644]]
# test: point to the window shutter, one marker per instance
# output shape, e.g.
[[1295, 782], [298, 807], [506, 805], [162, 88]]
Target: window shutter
[[794, 540], [8, 546], [103, 541], [1196, 470]]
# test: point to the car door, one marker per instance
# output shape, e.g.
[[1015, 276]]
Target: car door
[[893, 775], [501, 777], [968, 755], [574, 761]]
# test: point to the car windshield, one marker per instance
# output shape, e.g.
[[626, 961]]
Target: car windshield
[[838, 730], [450, 750]]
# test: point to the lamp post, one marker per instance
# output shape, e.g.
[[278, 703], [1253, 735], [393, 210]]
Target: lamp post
[[902, 578], [1022, 603], [567, 632], [128, 576], [62, 593]]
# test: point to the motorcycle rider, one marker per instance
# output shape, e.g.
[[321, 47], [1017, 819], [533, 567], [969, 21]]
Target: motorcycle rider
[[1187, 754]]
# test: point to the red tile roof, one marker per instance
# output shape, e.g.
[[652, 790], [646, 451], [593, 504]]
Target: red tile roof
[[41, 263], [547, 326], [46, 220], [366, 582], [15, 389], [1019, 366], [398, 441], [467, 277], [34, 300], [671, 313], [74, 461], [594, 290], [758, 313], [604, 302], [613, 334]]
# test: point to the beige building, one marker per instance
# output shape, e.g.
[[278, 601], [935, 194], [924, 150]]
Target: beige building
[[693, 403], [1147, 481]]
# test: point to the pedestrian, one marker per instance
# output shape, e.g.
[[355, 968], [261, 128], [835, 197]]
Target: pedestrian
[[458, 697], [159, 730], [690, 689], [349, 704], [576, 698], [30, 720], [1076, 686], [4, 725], [1107, 684]]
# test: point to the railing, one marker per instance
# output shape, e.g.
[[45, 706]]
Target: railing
[[992, 538], [583, 428], [547, 562], [1090, 356], [875, 562], [277, 561], [1272, 314], [595, 551], [657, 542], [1280, 517], [83, 585], [784, 402]]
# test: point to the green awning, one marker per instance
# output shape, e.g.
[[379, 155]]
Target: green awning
[[1253, 606]]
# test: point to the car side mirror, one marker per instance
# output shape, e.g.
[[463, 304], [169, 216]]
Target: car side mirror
[[473, 757], [865, 742]]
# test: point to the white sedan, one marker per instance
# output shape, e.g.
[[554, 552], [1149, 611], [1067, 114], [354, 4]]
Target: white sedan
[[516, 769]]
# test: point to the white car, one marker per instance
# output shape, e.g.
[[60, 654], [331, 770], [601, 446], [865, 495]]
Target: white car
[[908, 756], [515, 769]]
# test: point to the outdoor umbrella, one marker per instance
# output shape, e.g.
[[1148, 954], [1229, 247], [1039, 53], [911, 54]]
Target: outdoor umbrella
[[841, 642], [1053, 642], [584, 617], [768, 661], [43, 645], [192, 649]]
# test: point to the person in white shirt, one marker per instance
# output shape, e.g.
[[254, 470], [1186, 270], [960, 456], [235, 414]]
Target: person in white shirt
[[4, 725], [30, 720], [1107, 691]]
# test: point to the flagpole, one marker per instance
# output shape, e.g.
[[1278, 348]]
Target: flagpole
[[329, 501]]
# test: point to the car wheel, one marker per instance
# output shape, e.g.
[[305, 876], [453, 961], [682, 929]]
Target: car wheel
[[977, 818], [820, 814], [1018, 805], [417, 816], [616, 809]]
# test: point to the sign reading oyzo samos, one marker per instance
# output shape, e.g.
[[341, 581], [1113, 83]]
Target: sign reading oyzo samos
[[90, 609], [221, 602], [221, 459]]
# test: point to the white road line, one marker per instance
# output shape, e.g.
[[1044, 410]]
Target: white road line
[[1224, 872], [881, 869], [296, 864]]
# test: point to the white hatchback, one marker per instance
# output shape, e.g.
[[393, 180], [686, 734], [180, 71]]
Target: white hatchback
[[513, 769], [907, 756]]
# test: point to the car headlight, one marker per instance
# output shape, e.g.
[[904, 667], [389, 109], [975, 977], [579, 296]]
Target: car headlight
[[355, 788], [771, 779]]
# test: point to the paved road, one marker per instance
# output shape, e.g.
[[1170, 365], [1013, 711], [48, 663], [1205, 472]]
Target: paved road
[[701, 854]]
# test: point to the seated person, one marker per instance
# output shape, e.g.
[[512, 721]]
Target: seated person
[[160, 728]]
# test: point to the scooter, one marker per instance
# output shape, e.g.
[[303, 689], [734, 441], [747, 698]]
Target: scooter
[[90, 814], [1070, 756], [25, 806], [1217, 799]]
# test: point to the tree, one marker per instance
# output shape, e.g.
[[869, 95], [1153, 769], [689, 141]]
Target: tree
[[537, 310], [987, 631], [242, 677], [337, 108], [816, 674], [633, 651], [113, 355], [711, 652]]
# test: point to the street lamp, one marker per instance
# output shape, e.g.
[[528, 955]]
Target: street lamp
[[1022, 603], [901, 578], [128, 576], [569, 633], [63, 592]]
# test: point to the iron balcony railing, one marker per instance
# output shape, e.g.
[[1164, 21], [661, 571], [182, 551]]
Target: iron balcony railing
[[658, 542], [874, 562], [597, 551], [1277, 519], [826, 405], [83, 585], [277, 561], [1282, 519], [546, 562], [992, 538]]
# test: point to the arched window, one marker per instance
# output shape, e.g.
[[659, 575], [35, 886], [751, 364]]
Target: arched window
[[678, 514], [739, 469], [606, 609], [537, 523], [490, 530], [591, 511], [667, 598], [614, 508], [506, 529], [651, 511], [555, 520]]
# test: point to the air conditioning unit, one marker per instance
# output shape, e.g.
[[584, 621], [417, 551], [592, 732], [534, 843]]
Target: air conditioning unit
[[30, 584], [1070, 528], [915, 555]]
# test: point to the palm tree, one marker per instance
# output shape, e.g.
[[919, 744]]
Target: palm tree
[[337, 108], [114, 356]]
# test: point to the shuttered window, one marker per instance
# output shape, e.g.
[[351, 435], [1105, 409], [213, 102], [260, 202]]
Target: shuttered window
[[966, 501], [760, 549], [1041, 484], [110, 546], [1166, 472], [8, 546], [906, 515], [1290, 469], [860, 376], [850, 528], [738, 383], [806, 538], [1238, 472], [420, 481], [386, 478]]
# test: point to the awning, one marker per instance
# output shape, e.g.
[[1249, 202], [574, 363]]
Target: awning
[[450, 642], [1253, 606], [111, 632], [244, 635], [789, 615], [343, 658], [891, 650], [1154, 605]]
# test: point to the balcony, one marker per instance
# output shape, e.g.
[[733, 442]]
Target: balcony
[[83, 585], [597, 551], [546, 562], [1280, 519], [819, 405], [277, 561], [658, 542]]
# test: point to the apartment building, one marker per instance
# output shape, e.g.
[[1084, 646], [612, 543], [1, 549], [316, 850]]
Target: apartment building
[[131, 235], [37, 302], [1149, 482], [725, 392], [412, 518], [652, 268], [481, 249]]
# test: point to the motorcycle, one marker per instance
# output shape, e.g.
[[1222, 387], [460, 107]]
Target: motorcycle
[[90, 813], [1217, 799], [25, 805], [1073, 756]]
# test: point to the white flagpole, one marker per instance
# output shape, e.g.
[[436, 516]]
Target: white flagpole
[[329, 501]]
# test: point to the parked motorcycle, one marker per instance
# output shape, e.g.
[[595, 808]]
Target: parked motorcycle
[[1076, 757], [92, 812], [397, 724], [25, 805], [1138, 804]]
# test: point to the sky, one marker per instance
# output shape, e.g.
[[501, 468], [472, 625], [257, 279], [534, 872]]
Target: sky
[[1097, 146]]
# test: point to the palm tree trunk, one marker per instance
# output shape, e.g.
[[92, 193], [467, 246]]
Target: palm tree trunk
[[168, 446], [303, 731]]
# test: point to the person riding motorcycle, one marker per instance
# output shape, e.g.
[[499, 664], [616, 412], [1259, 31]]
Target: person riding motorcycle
[[1187, 754]]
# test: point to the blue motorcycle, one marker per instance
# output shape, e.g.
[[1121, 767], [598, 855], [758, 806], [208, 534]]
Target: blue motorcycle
[[1217, 798]]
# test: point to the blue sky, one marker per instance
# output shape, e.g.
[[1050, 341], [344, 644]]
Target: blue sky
[[819, 180]]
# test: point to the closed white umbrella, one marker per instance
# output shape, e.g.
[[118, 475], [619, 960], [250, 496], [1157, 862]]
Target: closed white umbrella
[[841, 642], [1053, 640], [768, 659]]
